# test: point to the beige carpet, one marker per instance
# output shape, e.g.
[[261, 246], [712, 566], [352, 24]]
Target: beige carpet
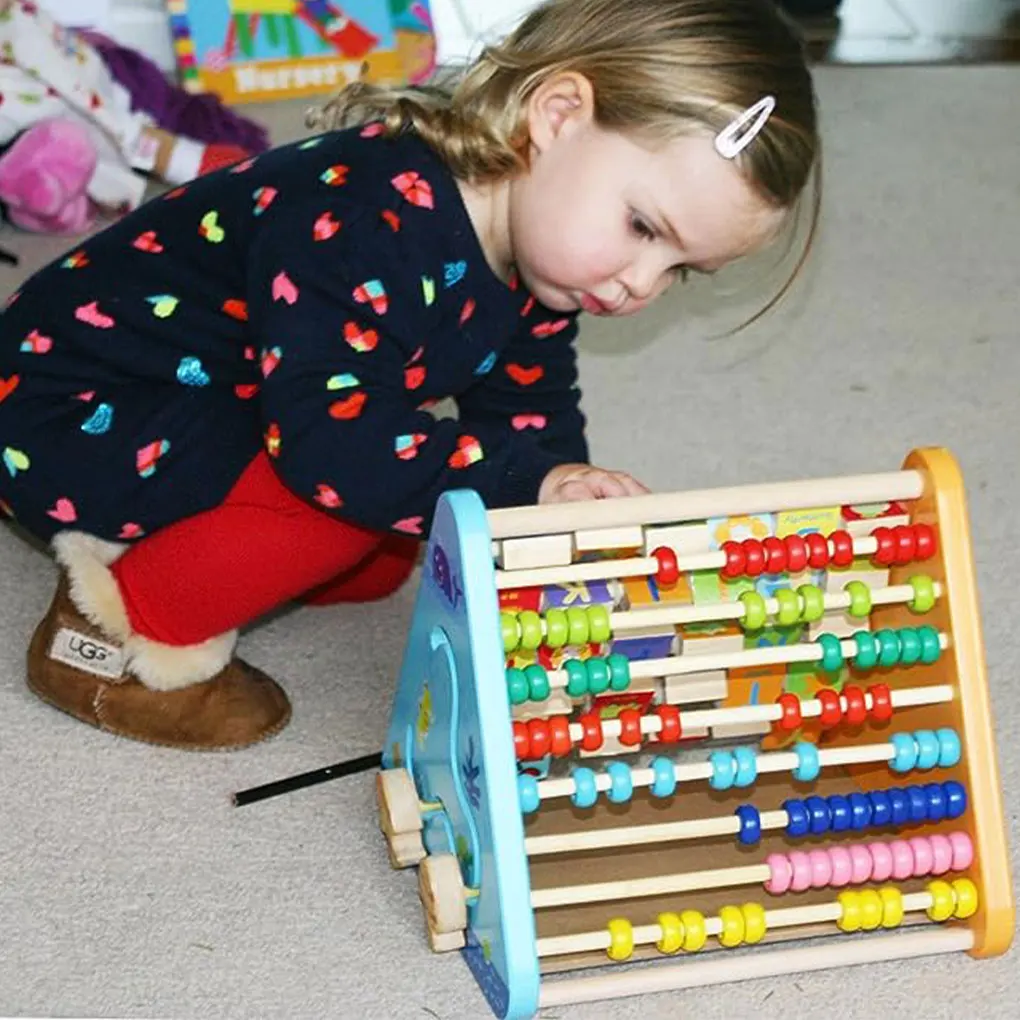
[[129, 886]]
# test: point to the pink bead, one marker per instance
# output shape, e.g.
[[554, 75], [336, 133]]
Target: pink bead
[[801, 871], [942, 854], [923, 856], [963, 850], [842, 866], [903, 858], [881, 861], [860, 859], [821, 868], [780, 874]]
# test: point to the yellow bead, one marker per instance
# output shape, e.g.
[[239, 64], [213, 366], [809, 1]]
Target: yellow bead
[[871, 909], [695, 935], [672, 933], [892, 906], [943, 900], [754, 922], [621, 939], [966, 898], [732, 933], [850, 919]]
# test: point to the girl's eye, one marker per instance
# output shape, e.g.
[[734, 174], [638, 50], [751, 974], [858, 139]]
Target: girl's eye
[[641, 228]]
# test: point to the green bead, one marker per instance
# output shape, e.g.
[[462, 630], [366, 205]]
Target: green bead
[[814, 602], [860, 598], [577, 678], [754, 610], [867, 650], [619, 672], [910, 646], [930, 647], [598, 624], [832, 653], [556, 629], [516, 685], [598, 675], [538, 682], [789, 607], [577, 622], [511, 631], [924, 593], [888, 647], [531, 629]]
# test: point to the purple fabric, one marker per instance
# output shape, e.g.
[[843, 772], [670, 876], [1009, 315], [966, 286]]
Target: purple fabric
[[202, 117]]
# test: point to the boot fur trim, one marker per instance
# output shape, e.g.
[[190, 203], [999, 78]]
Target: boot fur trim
[[94, 591]]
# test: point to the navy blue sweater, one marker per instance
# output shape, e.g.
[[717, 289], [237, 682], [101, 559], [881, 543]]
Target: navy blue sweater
[[315, 301]]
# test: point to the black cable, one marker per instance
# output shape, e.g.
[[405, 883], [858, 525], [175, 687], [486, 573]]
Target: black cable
[[299, 782]]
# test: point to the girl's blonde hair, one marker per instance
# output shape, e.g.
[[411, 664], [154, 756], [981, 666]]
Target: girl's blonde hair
[[658, 69]]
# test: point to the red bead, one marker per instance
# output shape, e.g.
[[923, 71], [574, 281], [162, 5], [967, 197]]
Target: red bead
[[842, 548], [669, 715], [796, 553], [885, 555], [538, 730], [775, 555], [832, 710], [735, 560], [668, 573], [522, 741], [755, 556], [559, 736], [856, 707], [591, 723], [906, 547], [818, 550], [881, 702], [630, 727], [791, 717], [924, 539]]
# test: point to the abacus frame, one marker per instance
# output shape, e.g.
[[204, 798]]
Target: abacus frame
[[451, 734]]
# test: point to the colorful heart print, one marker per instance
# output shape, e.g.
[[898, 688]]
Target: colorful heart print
[[210, 227], [147, 458], [131, 530], [409, 525], [310, 143], [374, 293], [284, 288], [525, 375], [406, 446], [467, 311], [64, 511], [175, 193], [236, 309], [454, 272], [348, 408], [270, 359], [335, 175], [326, 496], [8, 386], [487, 363], [191, 372], [544, 329], [92, 316], [245, 391], [343, 381], [325, 227], [373, 129], [163, 305], [469, 451], [148, 242], [428, 290], [76, 260], [528, 421], [100, 421], [15, 460], [273, 439], [36, 343], [244, 166], [392, 219], [361, 340], [414, 188], [263, 199]]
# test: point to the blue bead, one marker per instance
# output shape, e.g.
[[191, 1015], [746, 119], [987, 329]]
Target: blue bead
[[862, 813], [839, 807], [918, 803], [900, 805], [797, 817], [664, 782], [956, 798], [808, 765], [950, 750], [622, 788], [585, 792], [746, 762], [750, 824], [724, 770], [936, 802], [927, 749], [881, 807], [818, 809], [904, 752], [527, 793]]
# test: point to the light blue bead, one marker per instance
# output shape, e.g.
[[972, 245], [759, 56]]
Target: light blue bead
[[724, 770], [622, 788], [527, 792], [950, 750], [927, 749], [664, 782], [904, 752], [585, 792], [808, 764], [747, 766]]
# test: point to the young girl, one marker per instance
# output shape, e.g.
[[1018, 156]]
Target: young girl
[[221, 402]]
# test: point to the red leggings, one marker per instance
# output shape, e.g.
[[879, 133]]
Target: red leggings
[[262, 547]]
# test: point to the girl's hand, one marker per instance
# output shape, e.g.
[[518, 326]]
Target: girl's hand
[[568, 482]]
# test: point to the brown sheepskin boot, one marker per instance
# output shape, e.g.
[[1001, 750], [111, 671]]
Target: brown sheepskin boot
[[85, 659]]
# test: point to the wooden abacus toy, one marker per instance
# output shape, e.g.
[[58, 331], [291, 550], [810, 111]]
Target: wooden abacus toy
[[655, 726]]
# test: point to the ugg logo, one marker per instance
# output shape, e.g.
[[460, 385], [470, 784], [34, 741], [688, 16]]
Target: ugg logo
[[83, 652]]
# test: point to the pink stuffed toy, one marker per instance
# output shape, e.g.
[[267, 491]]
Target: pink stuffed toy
[[44, 176]]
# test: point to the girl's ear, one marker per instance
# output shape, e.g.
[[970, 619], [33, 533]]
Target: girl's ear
[[562, 103]]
